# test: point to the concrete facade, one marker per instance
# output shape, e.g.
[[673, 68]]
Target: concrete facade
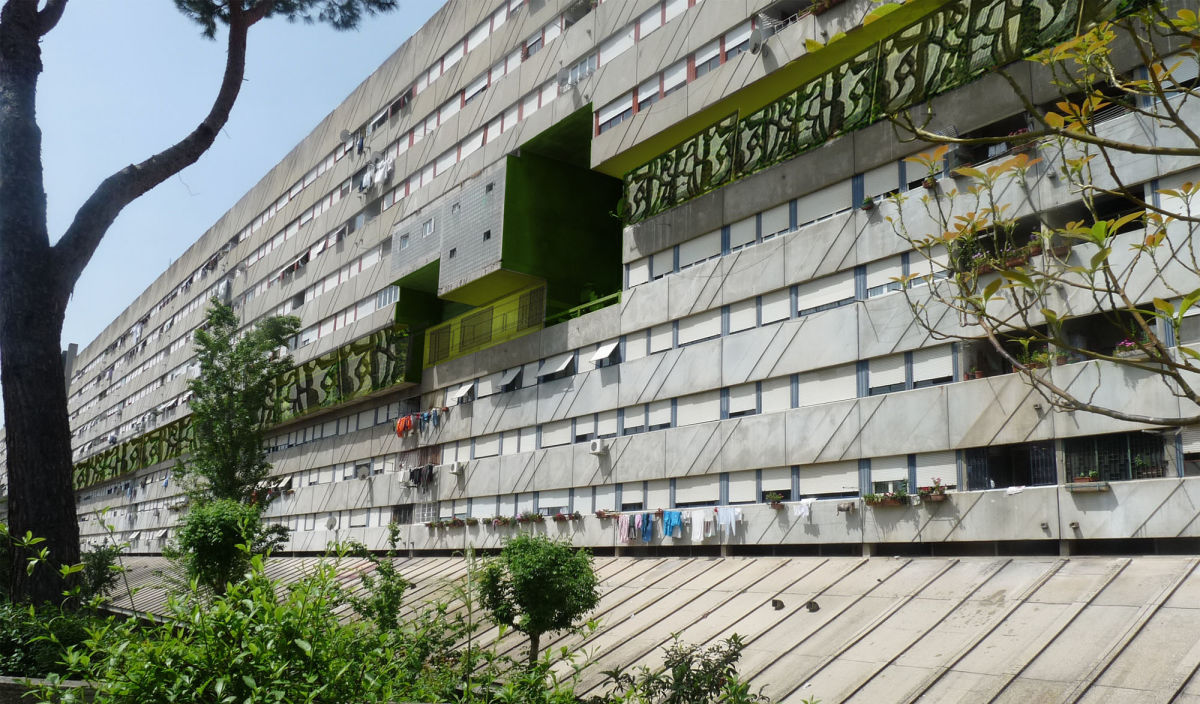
[[755, 349]]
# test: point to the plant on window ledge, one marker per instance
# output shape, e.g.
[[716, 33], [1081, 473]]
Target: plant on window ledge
[[472, 521], [775, 499], [560, 517], [501, 521], [1090, 476], [605, 513], [456, 522], [935, 492], [868, 203]]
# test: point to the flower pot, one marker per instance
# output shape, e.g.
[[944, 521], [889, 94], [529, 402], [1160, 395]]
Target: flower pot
[[1061, 359], [777, 505], [929, 183], [1084, 480], [867, 206], [977, 374], [934, 498], [890, 502]]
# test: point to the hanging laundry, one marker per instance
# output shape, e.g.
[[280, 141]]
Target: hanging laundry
[[368, 178], [672, 521], [727, 520], [435, 417], [623, 527], [803, 509], [647, 527], [697, 519], [359, 147]]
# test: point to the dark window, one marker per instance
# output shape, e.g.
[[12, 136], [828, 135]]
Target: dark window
[[531, 309], [1001, 466], [1136, 455]]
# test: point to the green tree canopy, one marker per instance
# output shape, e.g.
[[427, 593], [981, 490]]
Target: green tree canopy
[[537, 585], [236, 383]]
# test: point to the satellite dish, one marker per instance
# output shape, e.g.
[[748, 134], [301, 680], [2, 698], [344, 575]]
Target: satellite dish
[[756, 40], [346, 135], [330, 523]]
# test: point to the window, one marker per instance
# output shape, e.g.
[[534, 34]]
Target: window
[[708, 57], [427, 227], [1002, 466], [1137, 455], [403, 241]]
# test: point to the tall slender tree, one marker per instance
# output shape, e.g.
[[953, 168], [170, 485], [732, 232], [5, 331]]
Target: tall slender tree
[[37, 277]]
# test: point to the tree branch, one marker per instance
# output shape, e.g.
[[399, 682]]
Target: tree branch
[[98, 212], [49, 15]]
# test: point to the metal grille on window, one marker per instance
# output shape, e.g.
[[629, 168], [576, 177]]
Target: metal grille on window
[[476, 329], [439, 344], [531, 309], [402, 515], [1115, 457], [1042, 466]]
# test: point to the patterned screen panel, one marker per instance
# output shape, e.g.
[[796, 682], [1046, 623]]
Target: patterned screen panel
[[370, 364], [949, 47]]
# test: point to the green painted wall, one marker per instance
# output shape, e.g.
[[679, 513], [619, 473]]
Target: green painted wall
[[560, 225]]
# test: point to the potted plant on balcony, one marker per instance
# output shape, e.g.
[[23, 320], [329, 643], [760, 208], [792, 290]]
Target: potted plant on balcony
[[872, 499], [501, 521], [1088, 476], [868, 203], [775, 499], [456, 522], [1128, 349], [560, 517], [472, 521], [935, 493], [933, 162], [605, 513], [577, 516]]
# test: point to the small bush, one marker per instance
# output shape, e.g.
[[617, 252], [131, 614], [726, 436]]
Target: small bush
[[209, 540], [31, 640]]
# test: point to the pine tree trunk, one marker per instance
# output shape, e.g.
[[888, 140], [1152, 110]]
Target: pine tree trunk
[[41, 498]]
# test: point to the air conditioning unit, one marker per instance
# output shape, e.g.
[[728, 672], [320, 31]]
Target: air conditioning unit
[[598, 447], [457, 468]]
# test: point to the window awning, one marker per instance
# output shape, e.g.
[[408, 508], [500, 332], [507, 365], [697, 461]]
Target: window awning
[[509, 376], [606, 350], [462, 391], [136, 534], [162, 534], [555, 365]]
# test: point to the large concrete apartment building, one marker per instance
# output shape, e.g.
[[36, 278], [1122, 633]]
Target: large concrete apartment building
[[569, 257]]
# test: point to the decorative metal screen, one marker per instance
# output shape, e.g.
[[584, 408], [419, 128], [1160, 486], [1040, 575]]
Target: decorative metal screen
[[438, 347], [531, 310], [945, 49], [476, 329]]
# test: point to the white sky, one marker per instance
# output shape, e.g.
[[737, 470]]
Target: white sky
[[123, 79]]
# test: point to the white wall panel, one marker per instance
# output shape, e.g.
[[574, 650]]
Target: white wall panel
[[886, 371], [743, 487], [700, 326], [698, 408], [829, 478], [776, 305], [890, 469], [775, 220], [556, 433], [743, 397], [776, 394], [706, 487], [942, 465], [743, 315], [661, 337], [825, 385], [700, 248], [777, 479]]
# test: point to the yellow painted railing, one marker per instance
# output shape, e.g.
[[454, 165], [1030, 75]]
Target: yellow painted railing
[[504, 319]]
